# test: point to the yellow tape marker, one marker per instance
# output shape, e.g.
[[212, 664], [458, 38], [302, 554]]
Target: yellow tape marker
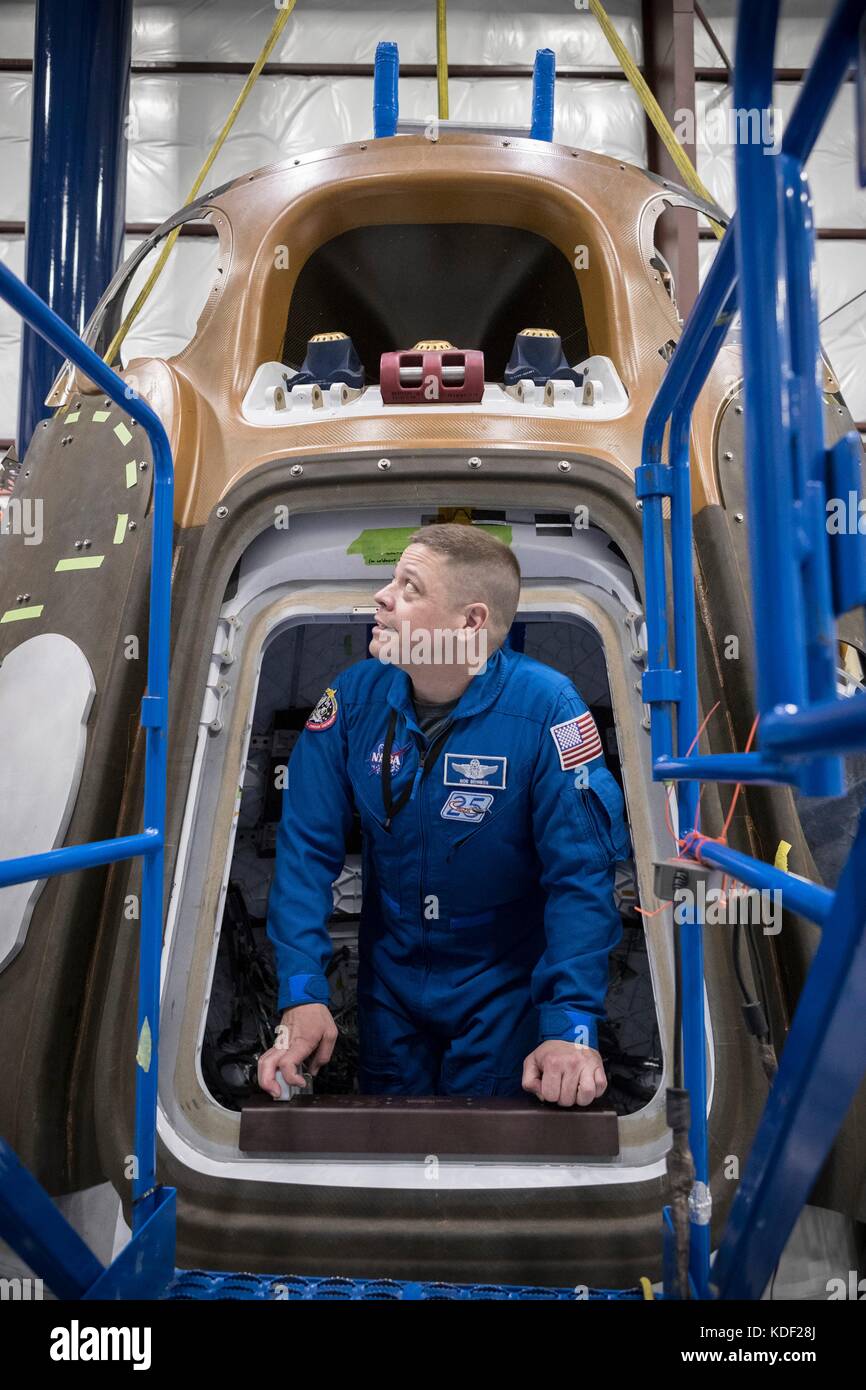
[[100, 415], [122, 433], [131, 473], [145, 1047], [70, 419], [120, 528], [14, 615], [79, 562], [781, 859]]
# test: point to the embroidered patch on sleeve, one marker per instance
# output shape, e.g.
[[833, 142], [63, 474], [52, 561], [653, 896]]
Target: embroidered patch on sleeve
[[325, 712], [577, 741]]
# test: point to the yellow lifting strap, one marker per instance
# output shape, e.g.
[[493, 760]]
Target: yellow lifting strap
[[442, 58], [278, 27], [654, 112]]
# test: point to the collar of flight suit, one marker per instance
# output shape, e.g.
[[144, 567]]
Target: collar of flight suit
[[479, 694]]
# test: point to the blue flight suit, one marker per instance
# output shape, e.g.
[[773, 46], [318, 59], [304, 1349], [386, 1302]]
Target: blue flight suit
[[488, 911]]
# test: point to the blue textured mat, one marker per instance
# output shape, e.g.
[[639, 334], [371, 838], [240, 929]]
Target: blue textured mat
[[208, 1284]]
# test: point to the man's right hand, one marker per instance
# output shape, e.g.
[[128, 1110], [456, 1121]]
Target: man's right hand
[[306, 1031]]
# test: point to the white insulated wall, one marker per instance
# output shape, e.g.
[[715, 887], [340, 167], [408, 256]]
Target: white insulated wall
[[174, 121]]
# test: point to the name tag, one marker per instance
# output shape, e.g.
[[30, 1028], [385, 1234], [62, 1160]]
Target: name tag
[[485, 770]]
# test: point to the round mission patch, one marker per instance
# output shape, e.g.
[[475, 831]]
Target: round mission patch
[[325, 712]]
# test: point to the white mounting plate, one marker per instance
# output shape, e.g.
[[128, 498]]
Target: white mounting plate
[[272, 378]]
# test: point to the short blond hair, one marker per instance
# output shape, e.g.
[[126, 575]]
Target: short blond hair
[[481, 568]]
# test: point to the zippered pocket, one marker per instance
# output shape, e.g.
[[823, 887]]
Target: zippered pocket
[[366, 812], [604, 808], [488, 820]]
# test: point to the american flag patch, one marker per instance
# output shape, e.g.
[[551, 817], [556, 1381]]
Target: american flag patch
[[577, 741]]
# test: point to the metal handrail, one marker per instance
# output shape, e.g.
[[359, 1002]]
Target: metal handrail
[[668, 681], [386, 93], [793, 670], [154, 718]]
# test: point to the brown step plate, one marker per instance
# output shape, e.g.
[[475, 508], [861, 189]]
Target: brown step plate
[[519, 1127]]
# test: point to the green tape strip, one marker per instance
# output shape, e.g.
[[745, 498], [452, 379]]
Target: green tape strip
[[131, 473], [386, 545], [100, 415], [123, 434], [70, 419], [14, 615], [120, 528], [79, 562]]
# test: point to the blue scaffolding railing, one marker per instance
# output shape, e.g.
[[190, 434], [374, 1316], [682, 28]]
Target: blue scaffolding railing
[[29, 1220], [386, 93], [765, 264]]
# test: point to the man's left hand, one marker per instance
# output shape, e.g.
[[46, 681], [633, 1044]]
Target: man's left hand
[[564, 1073]]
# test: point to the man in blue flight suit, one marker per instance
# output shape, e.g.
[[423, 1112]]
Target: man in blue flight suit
[[490, 830]]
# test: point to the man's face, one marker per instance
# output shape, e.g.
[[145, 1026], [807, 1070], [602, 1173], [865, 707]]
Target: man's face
[[419, 595]]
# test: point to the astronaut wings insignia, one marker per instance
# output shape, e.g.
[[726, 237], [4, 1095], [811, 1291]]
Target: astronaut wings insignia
[[475, 770]]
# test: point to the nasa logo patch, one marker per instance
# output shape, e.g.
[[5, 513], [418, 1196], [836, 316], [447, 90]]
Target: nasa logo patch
[[324, 714], [485, 770], [469, 807], [374, 759]]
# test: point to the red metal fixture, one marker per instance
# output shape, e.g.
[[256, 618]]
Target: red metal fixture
[[435, 376]]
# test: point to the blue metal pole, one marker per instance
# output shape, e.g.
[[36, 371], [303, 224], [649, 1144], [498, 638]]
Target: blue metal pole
[[798, 895], [692, 359], [658, 654], [154, 718], [683, 579], [774, 542], [386, 98], [543, 94], [691, 934], [695, 1080], [698, 345], [78, 151], [701, 338], [847, 547], [823, 776], [821, 1067], [35, 1229], [71, 858], [834, 55], [707, 324], [788, 472], [836, 726], [723, 767]]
